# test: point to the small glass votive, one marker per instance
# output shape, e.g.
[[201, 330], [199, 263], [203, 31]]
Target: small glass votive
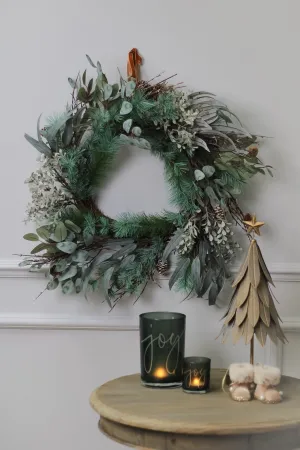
[[196, 375], [162, 336]]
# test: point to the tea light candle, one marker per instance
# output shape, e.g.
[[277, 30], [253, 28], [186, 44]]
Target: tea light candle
[[196, 375], [160, 372]]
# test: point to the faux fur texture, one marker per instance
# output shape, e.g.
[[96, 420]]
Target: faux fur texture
[[267, 375], [241, 373]]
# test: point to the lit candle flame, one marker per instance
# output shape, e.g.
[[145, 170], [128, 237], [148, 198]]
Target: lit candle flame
[[160, 372], [197, 382]]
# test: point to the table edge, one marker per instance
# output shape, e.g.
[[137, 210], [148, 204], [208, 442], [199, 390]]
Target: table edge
[[134, 421]]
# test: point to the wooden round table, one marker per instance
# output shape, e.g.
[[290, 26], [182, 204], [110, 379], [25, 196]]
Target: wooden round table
[[168, 419]]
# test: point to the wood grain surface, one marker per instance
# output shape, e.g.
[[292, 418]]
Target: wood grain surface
[[126, 402]]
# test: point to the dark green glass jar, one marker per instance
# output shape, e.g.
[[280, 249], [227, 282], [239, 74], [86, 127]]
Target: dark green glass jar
[[162, 339], [196, 375]]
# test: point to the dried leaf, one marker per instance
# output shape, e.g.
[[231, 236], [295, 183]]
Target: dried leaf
[[231, 313], [242, 272], [242, 291], [248, 331], [273, 311], [280, 334], [238, 332], [253, 266], [264, 293], [264, 314], [230, 304], [241, 314], [261, 333], [264, 267], [272, 332], [253, 306]]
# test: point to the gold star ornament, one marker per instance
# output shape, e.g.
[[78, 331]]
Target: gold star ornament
[[253, 225]]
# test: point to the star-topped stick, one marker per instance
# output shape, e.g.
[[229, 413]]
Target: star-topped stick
[[252, 311], [253, 225]]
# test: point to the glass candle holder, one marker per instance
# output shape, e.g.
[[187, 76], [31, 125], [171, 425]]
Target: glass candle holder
[[162, 339], [196, 375]]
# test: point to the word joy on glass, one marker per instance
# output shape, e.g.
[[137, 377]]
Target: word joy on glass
[[172, 357]]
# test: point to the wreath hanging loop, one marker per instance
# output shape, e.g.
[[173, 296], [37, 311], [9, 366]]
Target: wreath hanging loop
[[208, 157]]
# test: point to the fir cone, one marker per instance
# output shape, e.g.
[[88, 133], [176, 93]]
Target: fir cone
[[162, 266], [219, 213]]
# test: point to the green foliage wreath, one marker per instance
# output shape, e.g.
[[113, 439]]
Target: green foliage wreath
[[208, 157]]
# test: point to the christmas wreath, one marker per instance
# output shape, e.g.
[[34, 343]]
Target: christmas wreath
[[208, 157]]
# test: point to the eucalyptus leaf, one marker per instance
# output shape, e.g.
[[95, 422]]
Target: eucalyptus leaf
[[68, 132], [196, 274], [127, 125], [107, 91], [67, 247], [142, 143], [72, 226], [199, 175], [208, 171], [127, 261], [38, 129], [39, 145], [61, 265], [84, 77], [93, 265], [99, 68], [31, 237], [69, 273], [130, 87], [137, 131], [115, 90], [106, 283], [206, 282], [90, 61], [68, 287], [126, 108], [82, 95], [80, 256], [72, 83], [39, 248], [201, 143], [125, 251], [90, 86], [60, 232], [203, 249], [70, 236], [212, 195], [26, 262], [172, 244], [179, 271], [87, 237], [52, 284], [213, 293], [224, 116], [78, 285], [43, 233]]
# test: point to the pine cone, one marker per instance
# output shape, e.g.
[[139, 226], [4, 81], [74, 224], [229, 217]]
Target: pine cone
[[219, 213], [162, 266]]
